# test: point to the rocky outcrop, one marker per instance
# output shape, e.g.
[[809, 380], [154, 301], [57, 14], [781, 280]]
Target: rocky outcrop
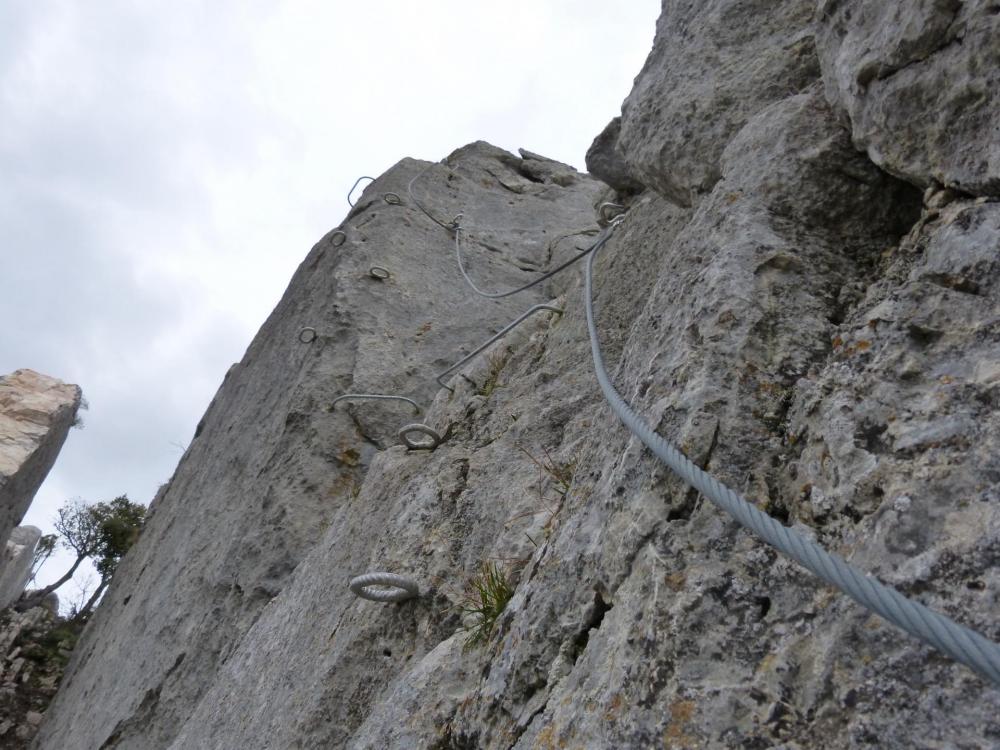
[[15, 565], [606, 162], [810, 328], [36, 412], [34, 648], [920, 83], [713, 66], [273, 472]]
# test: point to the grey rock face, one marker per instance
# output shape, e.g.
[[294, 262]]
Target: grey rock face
[[15, 565], [809, 330], [272, 472], [920, 82], [606, 162], [36, 412], [713, 65]]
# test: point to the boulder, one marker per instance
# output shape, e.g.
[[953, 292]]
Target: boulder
[[713, 65], [15, 565], [919, 83], [36, 412]]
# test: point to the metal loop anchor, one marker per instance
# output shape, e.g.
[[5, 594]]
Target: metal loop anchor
[[404, 435], [399, 588], [392, 199], [610, 211], [379, 272], [531, 311], [351, 191], [307, 335], [374, 397], [333, 238]]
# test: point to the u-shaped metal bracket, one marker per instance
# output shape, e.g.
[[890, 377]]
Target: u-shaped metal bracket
[[374, 397], [531, 311], [351, 191]]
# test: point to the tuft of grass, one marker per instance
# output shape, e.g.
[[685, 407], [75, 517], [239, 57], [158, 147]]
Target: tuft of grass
[[486, 596], [561, 473], [497, 361]]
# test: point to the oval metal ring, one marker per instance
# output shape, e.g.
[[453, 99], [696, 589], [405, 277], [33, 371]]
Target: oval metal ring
[[307, 335], [399, 588], [335, 235], [379, 272], [392, 199], [404, 435]]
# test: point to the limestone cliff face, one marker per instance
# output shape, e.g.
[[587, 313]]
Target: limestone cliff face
[[36, 412], [808, 326]]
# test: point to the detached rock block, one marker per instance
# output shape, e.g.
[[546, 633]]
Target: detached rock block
[[15, 565], [36, 412]]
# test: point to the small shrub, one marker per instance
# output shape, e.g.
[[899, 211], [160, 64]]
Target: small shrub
[[486, 596]]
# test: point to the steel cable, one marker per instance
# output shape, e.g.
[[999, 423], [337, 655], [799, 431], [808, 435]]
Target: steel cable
[[959, 642], [499, 295]]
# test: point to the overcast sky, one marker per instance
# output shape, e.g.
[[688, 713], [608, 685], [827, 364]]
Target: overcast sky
[[164, 167]]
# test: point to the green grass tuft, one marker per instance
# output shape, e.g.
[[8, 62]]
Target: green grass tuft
[[497, 361], [486, 596]]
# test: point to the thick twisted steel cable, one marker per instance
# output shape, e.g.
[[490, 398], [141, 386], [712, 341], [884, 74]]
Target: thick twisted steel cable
[[507, 329], [499, 295], [452, 226], [455, 226], [959, 642]]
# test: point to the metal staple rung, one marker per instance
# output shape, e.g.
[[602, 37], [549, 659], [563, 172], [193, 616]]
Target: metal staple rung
[[531, 311], [399, 588], [374, 397], [351, 191]]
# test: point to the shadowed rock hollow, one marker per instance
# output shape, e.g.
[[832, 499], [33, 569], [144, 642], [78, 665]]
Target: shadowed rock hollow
[[803, 297]]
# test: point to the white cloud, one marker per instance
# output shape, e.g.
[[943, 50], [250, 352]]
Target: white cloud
[[164, 167]]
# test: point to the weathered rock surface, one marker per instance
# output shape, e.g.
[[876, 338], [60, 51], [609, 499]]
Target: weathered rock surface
[[36, 412], [605, 160], [272, 472], [920, 82], [15, 565], [713, 65], [809, 330], [34, 648]]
